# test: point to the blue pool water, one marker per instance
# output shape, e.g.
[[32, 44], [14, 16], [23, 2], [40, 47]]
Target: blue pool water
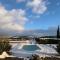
[[30, 47]]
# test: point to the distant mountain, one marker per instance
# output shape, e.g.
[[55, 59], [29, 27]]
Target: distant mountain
[[39, 33], [35, 33]]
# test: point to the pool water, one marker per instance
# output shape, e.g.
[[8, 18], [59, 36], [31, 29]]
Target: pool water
[[30, 47]]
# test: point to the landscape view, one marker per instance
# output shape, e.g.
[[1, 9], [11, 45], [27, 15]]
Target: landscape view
[[29, 29]]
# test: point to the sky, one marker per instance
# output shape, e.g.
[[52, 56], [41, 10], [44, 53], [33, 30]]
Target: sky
[[19, 15]]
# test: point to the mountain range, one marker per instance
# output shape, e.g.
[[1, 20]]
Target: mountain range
[[37, 33]]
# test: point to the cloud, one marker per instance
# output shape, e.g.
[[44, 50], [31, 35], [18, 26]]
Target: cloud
[[13, 20], [38, 6]]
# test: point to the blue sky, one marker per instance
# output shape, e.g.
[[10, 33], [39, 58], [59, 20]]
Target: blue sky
[[29, 14]]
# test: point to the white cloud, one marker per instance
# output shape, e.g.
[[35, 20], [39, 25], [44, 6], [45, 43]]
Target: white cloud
[[13, 19], [38, 6]]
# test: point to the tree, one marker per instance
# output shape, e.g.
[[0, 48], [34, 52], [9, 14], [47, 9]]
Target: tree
[[4, 46], [58, 32]]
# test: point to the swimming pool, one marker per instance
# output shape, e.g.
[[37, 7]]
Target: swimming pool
[[30, 47]]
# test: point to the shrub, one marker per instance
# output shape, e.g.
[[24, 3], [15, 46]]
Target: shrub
[[4, 46], [35, 57]]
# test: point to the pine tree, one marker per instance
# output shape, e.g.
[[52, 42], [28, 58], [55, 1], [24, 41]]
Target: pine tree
[[58, 32]]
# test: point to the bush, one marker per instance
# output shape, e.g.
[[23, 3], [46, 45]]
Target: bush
[[35, 57], [4, 46]]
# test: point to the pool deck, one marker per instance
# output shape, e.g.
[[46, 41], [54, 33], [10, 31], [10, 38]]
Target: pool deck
[[45, 51]]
